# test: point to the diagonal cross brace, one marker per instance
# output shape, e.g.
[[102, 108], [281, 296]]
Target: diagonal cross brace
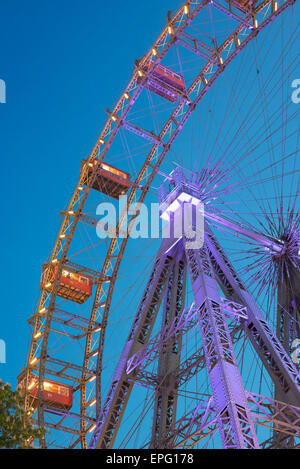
[[122, 384], [271, 352], [234, 417]]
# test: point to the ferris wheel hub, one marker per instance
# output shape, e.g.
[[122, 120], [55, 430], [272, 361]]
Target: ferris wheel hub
[[177, 189]]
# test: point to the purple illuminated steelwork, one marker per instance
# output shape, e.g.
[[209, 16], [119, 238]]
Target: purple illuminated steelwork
[[231, 14], [149, 352], [202, 420], [234, 418], [187, 320], [270, 350], [195, 425], [231, 409], [165, 404], [122, 383], [142, 133]]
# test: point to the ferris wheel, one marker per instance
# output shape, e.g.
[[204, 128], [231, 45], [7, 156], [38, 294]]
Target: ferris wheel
[[140, 341]]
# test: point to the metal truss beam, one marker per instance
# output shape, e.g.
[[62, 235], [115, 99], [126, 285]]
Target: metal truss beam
[[270, 443], [135, 129], [231, 411], [231, 14], [150, 352], [186, 370], [271, 413], [74, 321], [146, 379], [287, 323], [122, 383], [276, 360], [234, 418], [193, 364], [195, 425], [64, 414], [271, 244], [169, 359], [53, 426], [64, 366], [201, 422], [195, 46], [268, 347], [288, 305]]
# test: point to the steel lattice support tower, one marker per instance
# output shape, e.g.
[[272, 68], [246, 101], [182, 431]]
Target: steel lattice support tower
[[122, 384], [169, 359], [231, 406], [268, 347], [288, 316], [288, 307]]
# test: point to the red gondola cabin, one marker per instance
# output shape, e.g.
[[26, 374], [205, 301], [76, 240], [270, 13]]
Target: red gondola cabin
[[165, 82], [244, 5], [110, 180], [73, 286], [56, 395]]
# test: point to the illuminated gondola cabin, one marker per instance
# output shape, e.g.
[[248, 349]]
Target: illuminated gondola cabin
[[110, 180], [56, 395], [165, 82], [244, 5], [72, 286]]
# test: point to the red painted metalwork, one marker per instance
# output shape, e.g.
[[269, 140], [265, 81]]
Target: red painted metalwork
[[56, 394], [110, 180], [73, 286], [165, 82]]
